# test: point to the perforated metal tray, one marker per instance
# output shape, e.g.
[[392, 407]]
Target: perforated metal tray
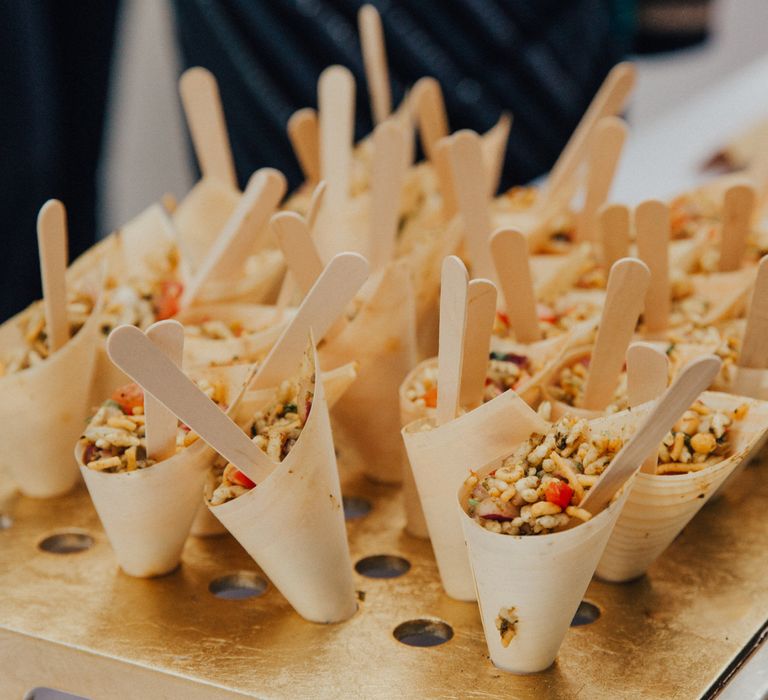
[[75, 622]]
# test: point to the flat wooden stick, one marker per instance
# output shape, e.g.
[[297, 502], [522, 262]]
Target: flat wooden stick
[[481, 312], [738, 206], [442, 164], [469, 182], [52, 250], [431, 117], [241, 234], [754, 346], [150, 367], [288, 287], [509, 249], [647, 375], [303, 133], [205, 117], [296, 243], [326, 301], [387, 179], [609, 100], [494, 145], [454, 291], [336, 100], [375, 62], [613, 223], [627, 285], [694, 379], [161, 424], [604, 153], [316, 204], [652, 224]]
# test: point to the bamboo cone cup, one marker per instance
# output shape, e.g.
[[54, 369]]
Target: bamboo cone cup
[[381, 338], [292, 524], [543, 577], [335, 383], [44, 409], [546, 352], [442, 457], [147, 514], [659, 507]]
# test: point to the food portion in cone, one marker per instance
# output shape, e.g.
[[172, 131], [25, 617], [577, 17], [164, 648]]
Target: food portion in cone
[[274, 428], [561, 316], [30, 345], [701, 438], [538, 488], [115, 439]]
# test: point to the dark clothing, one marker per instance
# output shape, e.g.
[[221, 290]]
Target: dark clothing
[[542, 60], [54, 70]]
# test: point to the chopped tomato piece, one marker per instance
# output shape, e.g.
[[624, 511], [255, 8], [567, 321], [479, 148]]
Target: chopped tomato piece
[[239, 478], [559, 493], [430, 398], [503, 318], [128, 397], [167, 304]]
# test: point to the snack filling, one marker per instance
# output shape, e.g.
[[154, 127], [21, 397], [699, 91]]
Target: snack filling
[[505, 371], [540, 487], [115, 439], [32, 324], [275, 429]]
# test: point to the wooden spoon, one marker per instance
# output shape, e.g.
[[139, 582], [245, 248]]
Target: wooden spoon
[[652, 224], [647, 375], [52, 250], [303, 134], [627, 285], [481, 313], [161, 424], [694, 379], [375, 62], [205, 117]]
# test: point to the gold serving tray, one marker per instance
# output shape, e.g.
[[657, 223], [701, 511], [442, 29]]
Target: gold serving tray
[[76, 623]]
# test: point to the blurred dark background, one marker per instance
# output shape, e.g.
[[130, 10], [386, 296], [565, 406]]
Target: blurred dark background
[[540, 59]]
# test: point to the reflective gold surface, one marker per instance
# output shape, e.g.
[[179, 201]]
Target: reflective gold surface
[[77, 623]]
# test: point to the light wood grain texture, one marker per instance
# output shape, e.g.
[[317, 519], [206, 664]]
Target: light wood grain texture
[[431, 117], [454, 292], [150, 367], [442, 164], [161, 424], [604, 152], [613, 224], [481, 313], [387, 178], [242, 233], [336, 100], [509, 249], [694, 379], [647, 374], [469, 182], [326, 301], [652, 225], [627, 285], [205, 118], [303, 133], [316, 205], [738, 206], [293, 237], [754, 346], [52, 251], [609, 100], [375, 62], [494, 145]]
